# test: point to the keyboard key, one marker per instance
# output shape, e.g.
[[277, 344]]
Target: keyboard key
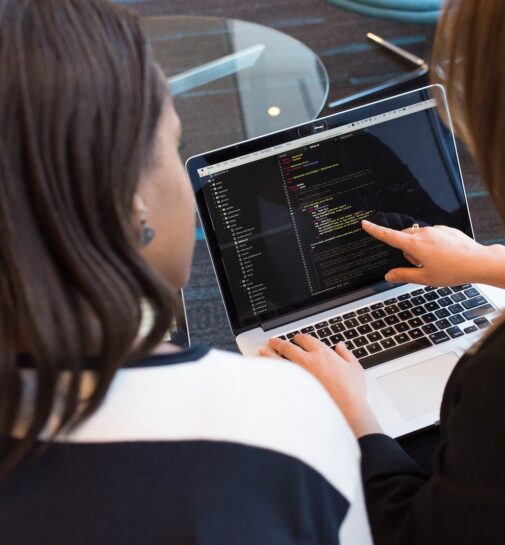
[[365, 318], [429, 288], [364, 329], [444, 301], [361, 341], [402, 338], [443, 324], [476, 312], [461, 288], [349, 315], [415, 293], [402, 327], [405, 315], [391, 320], [429, 328], [392, 309], [405, 305], [443, 292], [457, 319], [415, 322], [324, 332], [335, 339], [471, 329], [472, 292], [363, 310], [442, 313], [391, 301], [457, 297], [321, 324], [292, 334], [337, 328], [475, 302], [349, 345], [388, 343], [307, 329], [326, 341], [282, 337], [482, 323], [375, 306], [378, 324], [313, 334], [418, 311], [378, 314], [374, 348], [351, 334], [395, 352], [388, 332], [351, 323], [432, 306], [374, 337], [418, 300], [429, 318], [335, 320], [439, 337], [416, 333], [431, 296], [456, 309], [360, 353], [455, 332], [404, 297]]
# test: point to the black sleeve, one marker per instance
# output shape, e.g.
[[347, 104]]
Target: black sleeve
[[463, 501]]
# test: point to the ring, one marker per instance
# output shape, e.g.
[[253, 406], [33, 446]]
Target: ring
[[415, 226]]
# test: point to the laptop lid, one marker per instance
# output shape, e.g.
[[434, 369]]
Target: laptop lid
[[281, 213]]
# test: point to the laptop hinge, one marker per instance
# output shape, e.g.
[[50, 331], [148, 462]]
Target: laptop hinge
[[291, 317]]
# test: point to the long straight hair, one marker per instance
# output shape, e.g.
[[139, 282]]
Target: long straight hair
[[469, 60], [80, 99]]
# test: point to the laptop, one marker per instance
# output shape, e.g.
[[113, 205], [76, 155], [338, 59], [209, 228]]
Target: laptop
[[282, 218]]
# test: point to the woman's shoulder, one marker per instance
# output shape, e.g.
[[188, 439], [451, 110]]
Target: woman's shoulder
[[213, 395]]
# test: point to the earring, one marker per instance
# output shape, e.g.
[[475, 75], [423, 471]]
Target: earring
[[146, 231]]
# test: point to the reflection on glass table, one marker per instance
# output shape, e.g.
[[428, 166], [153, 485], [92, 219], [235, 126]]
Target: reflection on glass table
[[233, 80]]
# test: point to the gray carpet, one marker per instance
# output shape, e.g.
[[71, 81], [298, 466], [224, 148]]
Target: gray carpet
[[339, 39]]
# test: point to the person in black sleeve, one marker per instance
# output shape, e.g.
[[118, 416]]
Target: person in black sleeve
[[461, 501]]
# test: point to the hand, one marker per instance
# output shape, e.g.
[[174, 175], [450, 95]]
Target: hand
[[443, 256], [337, 370]]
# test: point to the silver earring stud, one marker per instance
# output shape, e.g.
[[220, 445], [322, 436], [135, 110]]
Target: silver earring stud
[[146, 231]]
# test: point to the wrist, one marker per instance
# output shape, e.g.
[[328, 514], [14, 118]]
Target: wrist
[[361, 419]]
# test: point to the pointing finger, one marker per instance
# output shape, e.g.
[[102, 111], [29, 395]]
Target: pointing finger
[[396, 239]]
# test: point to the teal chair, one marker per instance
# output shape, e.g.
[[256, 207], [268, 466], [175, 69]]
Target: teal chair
[[409, 11]]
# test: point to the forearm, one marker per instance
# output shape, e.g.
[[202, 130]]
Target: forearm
[[490, 267]]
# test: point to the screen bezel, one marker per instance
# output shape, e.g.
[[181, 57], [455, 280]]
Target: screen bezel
[[292, 134]]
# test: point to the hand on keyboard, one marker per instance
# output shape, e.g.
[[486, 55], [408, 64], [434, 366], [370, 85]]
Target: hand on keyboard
[[339, 372]]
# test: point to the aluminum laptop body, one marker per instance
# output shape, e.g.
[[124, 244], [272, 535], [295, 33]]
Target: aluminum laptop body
[[281, 215]]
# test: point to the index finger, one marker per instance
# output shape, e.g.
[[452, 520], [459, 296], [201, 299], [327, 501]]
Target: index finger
[[396, 239]]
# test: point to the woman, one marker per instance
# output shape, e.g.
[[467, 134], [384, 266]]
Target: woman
[[105, 436], [463, 500]]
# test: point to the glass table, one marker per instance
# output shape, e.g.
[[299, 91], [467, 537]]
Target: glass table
[[233, 80]]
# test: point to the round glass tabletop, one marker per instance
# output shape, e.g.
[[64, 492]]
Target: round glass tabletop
[[233, 80]]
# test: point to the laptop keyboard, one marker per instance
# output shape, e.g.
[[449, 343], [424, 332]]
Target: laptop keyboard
[[405, 324]]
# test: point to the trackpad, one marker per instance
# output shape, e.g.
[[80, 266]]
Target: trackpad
[[417, 390]]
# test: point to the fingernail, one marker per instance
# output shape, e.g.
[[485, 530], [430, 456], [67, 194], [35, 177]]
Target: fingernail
[[365, 222], [390, 277]]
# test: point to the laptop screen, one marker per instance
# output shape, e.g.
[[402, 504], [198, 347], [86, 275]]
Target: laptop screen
[[283, 221]]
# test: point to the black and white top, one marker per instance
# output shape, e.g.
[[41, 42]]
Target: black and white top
[[200, 447]]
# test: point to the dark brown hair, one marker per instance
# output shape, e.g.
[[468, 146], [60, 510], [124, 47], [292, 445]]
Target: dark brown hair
[[469, 61], [80, 98]]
